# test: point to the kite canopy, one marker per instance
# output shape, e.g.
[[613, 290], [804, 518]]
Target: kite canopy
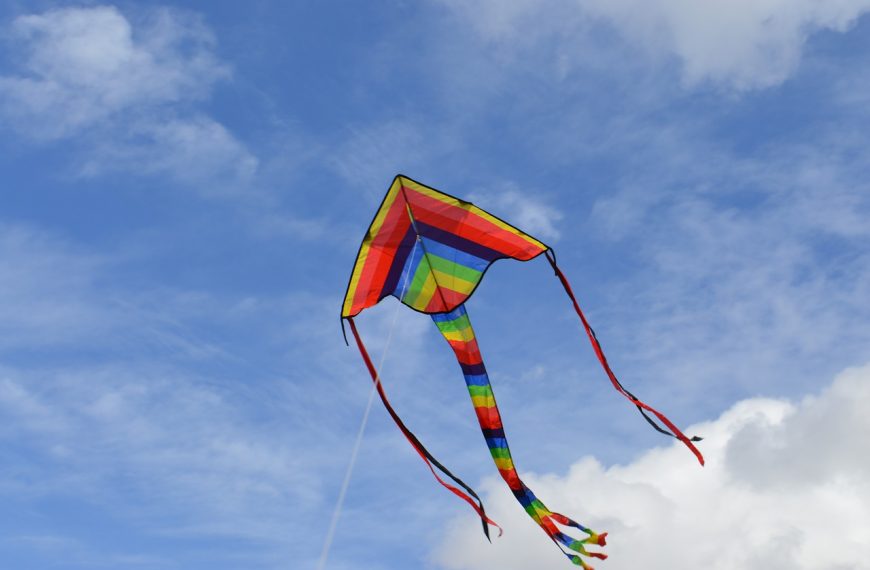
[[456, 243]]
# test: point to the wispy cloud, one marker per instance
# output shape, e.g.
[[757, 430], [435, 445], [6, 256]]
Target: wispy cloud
[[47, 293], [744, 260], [83, 66], [523, 208], [371, 155], [126, 90], [196, 151], [738, 45]]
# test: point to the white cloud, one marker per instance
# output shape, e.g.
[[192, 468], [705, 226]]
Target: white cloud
[[45, 292], [744, 43], [372, 155], [785, 486], [521, 209], [81, 66], [125, 91], [159, 431], [196, 151], [741, 44], [747, 267]]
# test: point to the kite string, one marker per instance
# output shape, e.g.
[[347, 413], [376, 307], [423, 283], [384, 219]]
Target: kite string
[[336, 514]]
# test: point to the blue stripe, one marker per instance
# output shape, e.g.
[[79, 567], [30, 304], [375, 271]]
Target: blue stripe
[[407, 276], [455, 255], [451, 316], [477, 379], [523, 497], [498, 442]]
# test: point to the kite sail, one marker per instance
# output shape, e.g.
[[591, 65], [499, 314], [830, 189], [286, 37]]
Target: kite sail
[[430, 250]]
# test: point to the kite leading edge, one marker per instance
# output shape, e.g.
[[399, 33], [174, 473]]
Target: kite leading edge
[[430, 250]]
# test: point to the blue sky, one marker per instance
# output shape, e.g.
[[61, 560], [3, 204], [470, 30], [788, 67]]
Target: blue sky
[[184, 190]]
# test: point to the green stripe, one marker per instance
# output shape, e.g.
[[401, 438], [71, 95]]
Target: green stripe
[[416, 286], [500, 453], [456, 325], [455, 269], [480, 391]]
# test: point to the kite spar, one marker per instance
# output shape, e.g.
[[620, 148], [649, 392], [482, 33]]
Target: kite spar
[[430, 250]]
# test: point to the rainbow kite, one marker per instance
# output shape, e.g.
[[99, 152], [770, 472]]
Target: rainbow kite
[[430, 251]]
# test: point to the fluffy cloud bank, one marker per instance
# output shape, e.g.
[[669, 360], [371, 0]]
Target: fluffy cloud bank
[[787, 485]]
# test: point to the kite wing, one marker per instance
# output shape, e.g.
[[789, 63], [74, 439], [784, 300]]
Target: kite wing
[[455, 244]]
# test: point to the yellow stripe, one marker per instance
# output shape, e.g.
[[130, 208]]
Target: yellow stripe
[[464, 335], [505, 463], [453, 282], [355, 276], [358, 266], [426, 293], [483, 401]]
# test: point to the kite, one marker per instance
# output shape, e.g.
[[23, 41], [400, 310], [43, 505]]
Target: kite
[[430, 250]]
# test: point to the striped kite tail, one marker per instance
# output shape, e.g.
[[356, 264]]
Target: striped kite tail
[[456, 329], [463, 491]]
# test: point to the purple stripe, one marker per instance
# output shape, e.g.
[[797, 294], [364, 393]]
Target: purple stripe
[[403, 250], [460, 243], [491, 433], [472, 369]]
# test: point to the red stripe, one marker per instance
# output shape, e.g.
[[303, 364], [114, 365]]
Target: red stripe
[[469, 225], [488, 418], [445, 295], [382, 251], [511, 478], [467, 352], [438, 303]]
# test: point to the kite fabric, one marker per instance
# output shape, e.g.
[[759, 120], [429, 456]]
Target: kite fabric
[[430, 250]]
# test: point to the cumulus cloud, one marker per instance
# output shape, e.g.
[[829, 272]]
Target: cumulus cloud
[[786, 486], [124, 89], [742, 44]]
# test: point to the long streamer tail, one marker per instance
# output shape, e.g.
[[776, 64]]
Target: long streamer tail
[[672, 430], [427, 457], [456, 329]]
